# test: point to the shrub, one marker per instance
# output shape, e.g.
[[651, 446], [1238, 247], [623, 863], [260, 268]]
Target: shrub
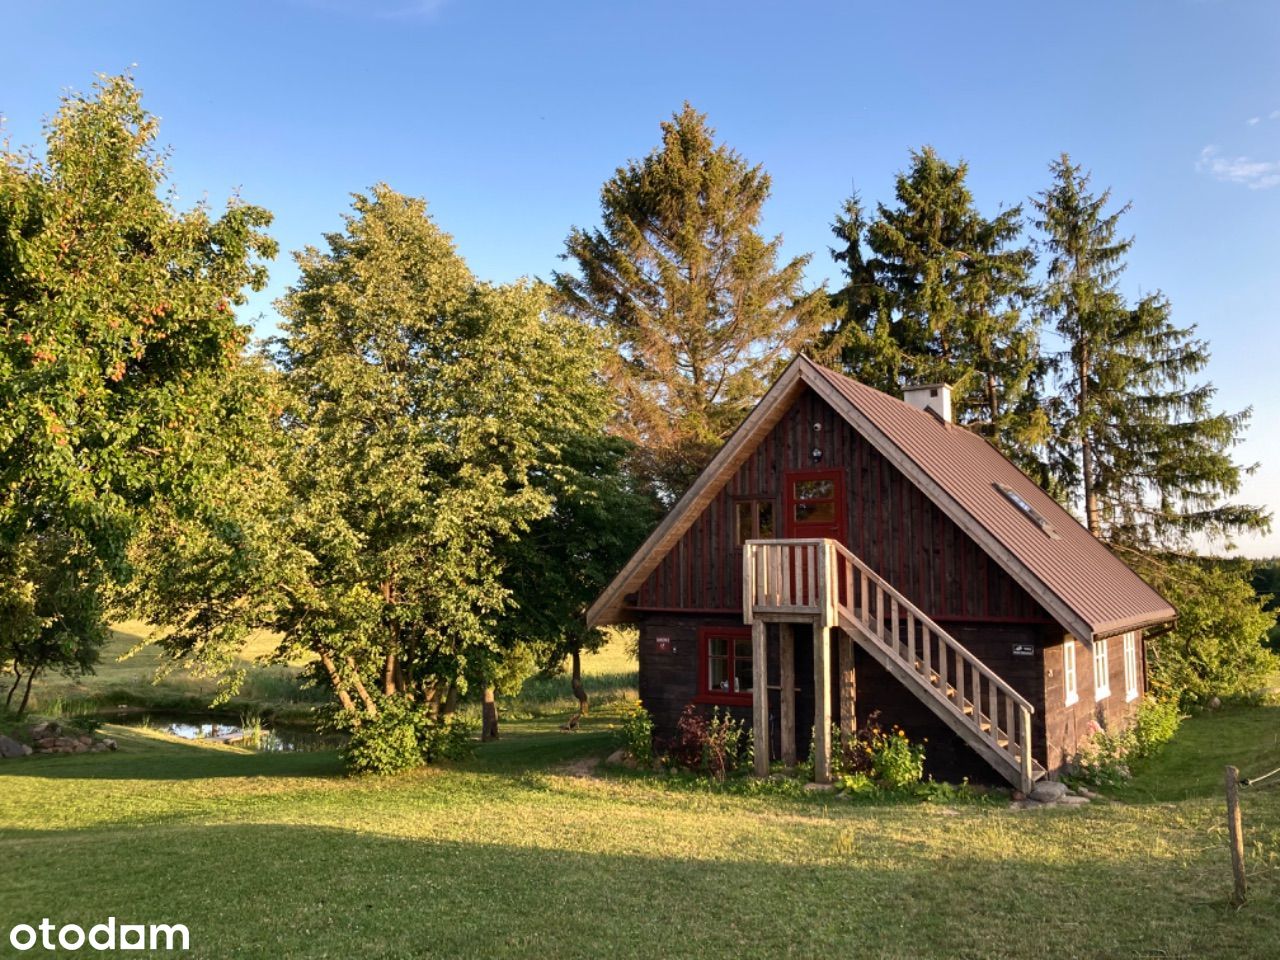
[[717, 744], [874, 753], [1156, 723], [401, 737], [896, 762], [636, 732], [385, 744]]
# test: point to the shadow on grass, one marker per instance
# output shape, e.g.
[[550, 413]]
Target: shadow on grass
[[258, 890]]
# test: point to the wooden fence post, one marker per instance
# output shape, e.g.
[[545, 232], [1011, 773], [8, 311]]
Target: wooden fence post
[[1235, 830]]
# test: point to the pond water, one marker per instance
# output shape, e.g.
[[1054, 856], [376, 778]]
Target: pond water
[[263, 736]]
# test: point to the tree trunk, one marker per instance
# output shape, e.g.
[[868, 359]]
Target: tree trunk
[[575, 678], [370, 707], [326, 659], [449, 705], [26, 694], [389, 671], [489, 725], [1091, 519], [17, 679]]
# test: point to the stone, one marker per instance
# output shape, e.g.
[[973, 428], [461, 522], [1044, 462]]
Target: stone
[[1073, 801], [11, 749], [1018, 796], [820, 787], [1048, 791], [110, 744], [86, 740], [1087, 793], [1215, 703], [43, 729], [615, 759]]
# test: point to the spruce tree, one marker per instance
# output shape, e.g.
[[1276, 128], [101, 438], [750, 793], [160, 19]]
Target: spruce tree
[[697, 310], [935, 292], [1138, 445]]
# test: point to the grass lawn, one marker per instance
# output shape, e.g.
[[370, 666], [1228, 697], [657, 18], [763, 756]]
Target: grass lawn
[[520, 853]]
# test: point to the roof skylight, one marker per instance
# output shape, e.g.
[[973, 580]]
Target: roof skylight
[[1030, 512]]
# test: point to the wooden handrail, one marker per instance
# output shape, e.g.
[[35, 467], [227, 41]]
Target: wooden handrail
[[803, 578]]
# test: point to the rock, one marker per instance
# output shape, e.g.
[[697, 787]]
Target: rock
[[110, 744], [1087, 793], [98, 748], [1215, 703], [614, 759], [820, 787], [1018, 796], [1073, 801], [1048, 791], [86, 740], [11, 749], [42, 729]]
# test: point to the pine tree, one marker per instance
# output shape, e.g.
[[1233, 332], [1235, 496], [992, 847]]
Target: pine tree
[[690, 295], [1138, 444], [940, 298]]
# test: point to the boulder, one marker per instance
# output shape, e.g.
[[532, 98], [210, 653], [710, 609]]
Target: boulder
[[110, 744], [1048, 791], [11, 749], [613, 760], [44, 729]]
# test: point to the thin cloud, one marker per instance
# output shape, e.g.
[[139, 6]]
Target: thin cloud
[[1253, 121], [381, 9], [1254, 174]]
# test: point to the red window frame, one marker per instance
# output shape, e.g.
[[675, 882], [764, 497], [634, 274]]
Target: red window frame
[[705, 693]]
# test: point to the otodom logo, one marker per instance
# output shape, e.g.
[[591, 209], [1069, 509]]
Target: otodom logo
[[110, 935]]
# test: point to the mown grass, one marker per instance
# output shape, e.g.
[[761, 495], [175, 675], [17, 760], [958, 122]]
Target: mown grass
[[517, 853]]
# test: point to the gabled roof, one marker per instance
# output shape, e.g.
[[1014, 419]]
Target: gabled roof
[[1082, 584]]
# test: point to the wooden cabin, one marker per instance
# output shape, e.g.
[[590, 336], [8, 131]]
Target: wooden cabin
[[848, 552]]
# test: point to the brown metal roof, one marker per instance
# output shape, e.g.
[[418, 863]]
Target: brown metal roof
[[1073, 566]]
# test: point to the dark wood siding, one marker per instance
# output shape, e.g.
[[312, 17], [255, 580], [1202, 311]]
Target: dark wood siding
[[891, 525]]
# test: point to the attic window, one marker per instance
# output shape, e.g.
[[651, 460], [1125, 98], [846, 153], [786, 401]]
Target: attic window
[[1032, 514]]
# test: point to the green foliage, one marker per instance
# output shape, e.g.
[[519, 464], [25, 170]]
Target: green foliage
[[119, 328], [716, 744], [636, 732], [896, 762], [389, 743], [1155, 725], [400, 737], [691, 298], [935, 292], [1217, 648], [1107, 757], [1138, 443]]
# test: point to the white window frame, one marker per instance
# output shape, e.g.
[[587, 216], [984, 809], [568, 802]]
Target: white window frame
[[1069, 676], [1131, 665], [1101, 670]]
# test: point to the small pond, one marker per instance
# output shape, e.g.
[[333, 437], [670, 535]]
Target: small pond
[[263, 736]]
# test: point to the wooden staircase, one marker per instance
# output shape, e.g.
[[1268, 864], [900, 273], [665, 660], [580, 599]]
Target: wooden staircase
[[823, 582]]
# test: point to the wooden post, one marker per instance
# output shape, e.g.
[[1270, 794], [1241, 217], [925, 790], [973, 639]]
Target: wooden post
[[787, 695], [1235, 831], [848, 688], [760, 694], [821, 703]]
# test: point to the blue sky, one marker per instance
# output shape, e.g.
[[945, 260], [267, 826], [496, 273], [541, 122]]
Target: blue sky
[[507, 117]]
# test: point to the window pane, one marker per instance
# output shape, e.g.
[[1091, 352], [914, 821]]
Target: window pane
[[718, 647], [742, 665], [816, 512], [718, 673], [766, 518], [745, 517], [814, 489]]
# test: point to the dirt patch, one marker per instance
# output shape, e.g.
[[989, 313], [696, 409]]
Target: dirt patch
[[585, 767]]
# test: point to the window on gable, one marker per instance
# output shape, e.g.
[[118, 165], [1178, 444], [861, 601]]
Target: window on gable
[[1101, 670], [725, 668], [1069, 671], [1131, 665], [754, 521]]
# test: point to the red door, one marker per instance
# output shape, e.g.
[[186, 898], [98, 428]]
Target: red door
[[813, 504]]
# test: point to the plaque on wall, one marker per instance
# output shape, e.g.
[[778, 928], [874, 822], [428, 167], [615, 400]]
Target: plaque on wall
[[1024, 650], [663, 644]]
